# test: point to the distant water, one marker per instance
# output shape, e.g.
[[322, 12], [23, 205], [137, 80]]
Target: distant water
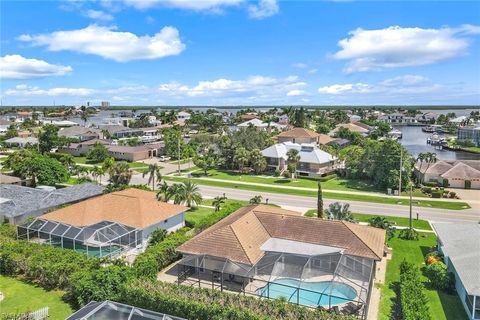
[[415, 141]]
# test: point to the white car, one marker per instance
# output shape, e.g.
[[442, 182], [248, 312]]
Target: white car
[[163, 158]]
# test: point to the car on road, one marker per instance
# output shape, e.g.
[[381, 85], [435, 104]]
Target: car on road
[[164, 158]]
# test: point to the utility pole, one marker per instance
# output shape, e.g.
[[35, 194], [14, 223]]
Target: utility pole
[[400, 177], [178, 156], [410, 216]]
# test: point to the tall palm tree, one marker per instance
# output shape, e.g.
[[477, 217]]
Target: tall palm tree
[[320, 201], [293, 160], [190, 193], [153, 173], [176, 192], [96, 171], [257, 160], [241, 158]]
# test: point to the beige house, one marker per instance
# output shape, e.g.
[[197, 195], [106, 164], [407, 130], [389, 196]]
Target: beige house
[[302, 135], [463, 174], [135, 153]]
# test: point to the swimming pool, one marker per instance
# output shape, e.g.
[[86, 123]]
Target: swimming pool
[[309, 293]]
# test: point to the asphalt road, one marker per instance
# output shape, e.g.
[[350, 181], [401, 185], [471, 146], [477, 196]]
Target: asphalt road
[[301, 203]]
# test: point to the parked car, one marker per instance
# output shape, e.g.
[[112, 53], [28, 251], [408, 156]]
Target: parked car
[[163, 158]]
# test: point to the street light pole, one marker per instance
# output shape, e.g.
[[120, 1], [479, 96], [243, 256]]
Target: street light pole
[[178, 156], [400, 177], [410, 218]]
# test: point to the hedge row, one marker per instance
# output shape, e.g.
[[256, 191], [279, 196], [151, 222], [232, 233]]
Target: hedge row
[[213, 218], [195, 303], [413, 301], [48, 266], [160, 255]]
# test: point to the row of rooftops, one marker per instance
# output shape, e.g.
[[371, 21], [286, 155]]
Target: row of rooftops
[[461, 169]]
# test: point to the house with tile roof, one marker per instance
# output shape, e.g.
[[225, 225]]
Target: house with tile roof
[[271, 252], [464, 174], [353, 126], [302, 135], [106, 225]]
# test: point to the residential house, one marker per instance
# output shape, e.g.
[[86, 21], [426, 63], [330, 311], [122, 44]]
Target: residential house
[[112, 224], [426, 118], [81, 149], [248, 116], [60, 123], [283, 119], [264, 250], [136, 153], [259, 124], [397, 118], [459, 243], [313, 161], [460, 121], [17, 203], [81, 133], [111, 310], [299, 135], [119, 132], [357, 127], [354, 118], [4, 125], [469, 133], [464, 174], [183, 116], [21, 142]]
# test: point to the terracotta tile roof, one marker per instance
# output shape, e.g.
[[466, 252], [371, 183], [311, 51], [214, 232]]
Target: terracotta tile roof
[[352, 127], [325, 139], [462, 171], [131, 207], [248, 116], [299, 133], [239, 236]]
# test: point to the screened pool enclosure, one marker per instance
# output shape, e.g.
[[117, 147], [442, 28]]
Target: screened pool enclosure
[[102, 239], [332, 281]]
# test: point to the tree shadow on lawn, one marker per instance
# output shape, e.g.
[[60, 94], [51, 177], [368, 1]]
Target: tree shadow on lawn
[[396, 311], [281, 181], [360, 185]]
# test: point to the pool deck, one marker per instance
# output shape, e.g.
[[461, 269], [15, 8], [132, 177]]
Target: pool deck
[[374, 304]]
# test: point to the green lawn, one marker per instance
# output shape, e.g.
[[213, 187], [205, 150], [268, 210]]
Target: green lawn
[[398, 221], [182, 161], [442, 306], [194, 215], [137, 166], [21, 297], [328, 195], [473, 149], [83, 160]]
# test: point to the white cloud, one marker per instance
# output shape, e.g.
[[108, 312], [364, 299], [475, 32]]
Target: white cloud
[[300, 65], [408, 84], [200, 5], [393, 47], [21, 68], [296, 93], [222, 87], [111, 44], [98, 15], [24, 90], [264, 9], [342, 88], [312, 71]]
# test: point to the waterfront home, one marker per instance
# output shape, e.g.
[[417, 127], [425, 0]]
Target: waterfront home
[[460, 246], [81, 149], [183, 116], [469, 133], [107, 225], [463, 174], [462, 120], [426, 118], [271, 252], [18, 203], [118, 131], [357, 127], [299, 135], [398, 118], [259, 124], [81, 133], [313, 161]]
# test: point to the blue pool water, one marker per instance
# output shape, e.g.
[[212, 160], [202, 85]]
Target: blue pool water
[[309, 293]]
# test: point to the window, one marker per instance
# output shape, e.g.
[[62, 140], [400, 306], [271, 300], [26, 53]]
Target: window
[[165, 221]]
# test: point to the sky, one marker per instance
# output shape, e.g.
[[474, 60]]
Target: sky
[[239, 52]]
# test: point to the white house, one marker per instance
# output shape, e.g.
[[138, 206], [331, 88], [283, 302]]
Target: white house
[[397, 119], [183, 116], [21, 142], [313, 161], [259, 124]]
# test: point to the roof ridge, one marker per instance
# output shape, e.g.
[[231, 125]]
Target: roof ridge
[[238, 240], [359, 238]]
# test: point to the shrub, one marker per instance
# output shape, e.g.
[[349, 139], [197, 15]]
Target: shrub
[[408, 234], [8, 230], [439, 277], [427, 190], [437, 194], [196, 303], [276, 173], [48, 266], [452, 194], [217, 216], [431, 184], [287, 174], [432, 257], [160, 255], [413, 302], [157, 236], [97, 285]]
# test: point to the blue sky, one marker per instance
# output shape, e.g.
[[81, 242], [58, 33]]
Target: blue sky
[[235, 52]]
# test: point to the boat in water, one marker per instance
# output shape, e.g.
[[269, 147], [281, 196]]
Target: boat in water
[[395, 134], [433, 128]]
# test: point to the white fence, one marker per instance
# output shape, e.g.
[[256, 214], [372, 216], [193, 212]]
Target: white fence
[[40, 314]]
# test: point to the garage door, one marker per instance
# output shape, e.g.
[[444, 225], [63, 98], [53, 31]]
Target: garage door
[[456, 184]]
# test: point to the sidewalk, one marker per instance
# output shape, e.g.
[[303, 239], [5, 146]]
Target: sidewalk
[[371, 194]]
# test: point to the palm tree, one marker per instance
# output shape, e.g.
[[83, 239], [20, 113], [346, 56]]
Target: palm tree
[[259, 164], [190, 193], [241, 157], [338, 211], [175, 191], [153, 172], [217, 202], [120, 173], [84, 117], [256, 200], [293, 160], [96, 172], [164, 192]]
